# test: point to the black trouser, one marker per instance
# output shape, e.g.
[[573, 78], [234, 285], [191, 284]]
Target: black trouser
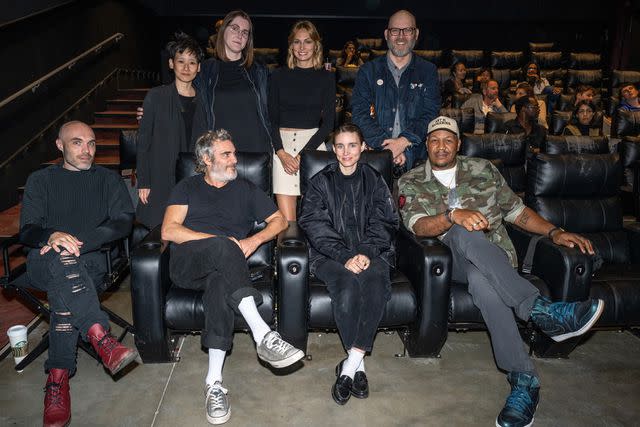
[[217, 266], [70, 283], [358, 300]]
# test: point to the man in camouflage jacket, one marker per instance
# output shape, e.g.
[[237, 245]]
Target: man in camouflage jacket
[[463, 201]]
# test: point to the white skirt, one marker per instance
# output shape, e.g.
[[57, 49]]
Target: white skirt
[[292, 143]]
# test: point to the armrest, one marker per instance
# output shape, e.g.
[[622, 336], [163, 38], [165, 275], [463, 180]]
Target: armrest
[[566, 271], [427, 264], [149, 285], [292, 264], [633, 234], [7, 273]]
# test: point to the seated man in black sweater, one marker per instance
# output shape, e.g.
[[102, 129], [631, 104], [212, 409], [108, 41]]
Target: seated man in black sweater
[[526, 121], [68, 212], [208, 220]]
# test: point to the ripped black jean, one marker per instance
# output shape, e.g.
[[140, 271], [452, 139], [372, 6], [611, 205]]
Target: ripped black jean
[[70, 283]]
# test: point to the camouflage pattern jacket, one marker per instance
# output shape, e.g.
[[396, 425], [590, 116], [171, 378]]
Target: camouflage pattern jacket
[[479, 186]]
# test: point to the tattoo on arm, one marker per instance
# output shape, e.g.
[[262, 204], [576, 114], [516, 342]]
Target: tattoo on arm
[[524, 218]]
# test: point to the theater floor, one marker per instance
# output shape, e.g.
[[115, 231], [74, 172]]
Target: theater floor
[[599, 385]]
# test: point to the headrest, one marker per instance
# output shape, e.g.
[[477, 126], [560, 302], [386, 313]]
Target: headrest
[[565, 102], [586, 77], [620, 77], [506, 59], [375, 53], [443, 75], [541, 47], [254, 167], [374, 43], [574, 175], [464, 117], [313, 161], [503, 77], [434, 56], [575, 145], [494, 122], [585, 61], [511, 149], [547, 60], [629, 149], [471, 58], [626, 123], [266, 55]]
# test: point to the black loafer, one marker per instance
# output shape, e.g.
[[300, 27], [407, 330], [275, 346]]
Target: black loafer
[[341, 390], [360, 386]]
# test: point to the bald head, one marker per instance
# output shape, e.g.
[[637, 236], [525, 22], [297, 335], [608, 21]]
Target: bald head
[[401, 16], [73, 127], [77, 142]]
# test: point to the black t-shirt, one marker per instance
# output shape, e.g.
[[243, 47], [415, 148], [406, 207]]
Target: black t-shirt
[[227, 211], [235, 109], [349, 188], [188, 109]]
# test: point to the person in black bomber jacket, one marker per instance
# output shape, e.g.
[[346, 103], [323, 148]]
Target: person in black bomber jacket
[[350, 221], [68, 212]]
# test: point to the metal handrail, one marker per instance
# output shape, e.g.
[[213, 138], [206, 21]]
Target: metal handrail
[[67, 65]]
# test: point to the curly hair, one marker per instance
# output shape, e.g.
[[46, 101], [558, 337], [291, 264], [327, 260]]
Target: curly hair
[[205, 146]]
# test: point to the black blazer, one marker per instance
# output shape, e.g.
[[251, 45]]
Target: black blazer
[[160, 138]]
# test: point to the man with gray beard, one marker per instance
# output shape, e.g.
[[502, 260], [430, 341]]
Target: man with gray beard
[[396, 95], [208, 220]]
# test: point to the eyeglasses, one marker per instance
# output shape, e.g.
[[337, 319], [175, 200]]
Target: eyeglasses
[[405, 31], [235, 29]]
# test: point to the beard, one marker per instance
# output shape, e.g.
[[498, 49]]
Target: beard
[[401, 51], [223, 173]]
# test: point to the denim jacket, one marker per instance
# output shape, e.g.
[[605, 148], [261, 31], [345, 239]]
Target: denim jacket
[[257, 76], [375, 96]]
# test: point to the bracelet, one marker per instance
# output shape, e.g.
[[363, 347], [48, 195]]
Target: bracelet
[[448, 213], [550, 233]]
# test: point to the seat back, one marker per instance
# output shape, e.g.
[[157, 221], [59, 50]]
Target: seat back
[[575, 145], [471, 58], [494, 122], [346, 76], [371, 43], [463, 116], [547, 60], [128, 148], [506, 59], [266, 55], [510, 149], [629, 149], [585, 61], [560, 120], [434, 56], [584, 77], [254, 167], [313, 161], [503, 77], [620, 77], [541, 47], [579, 192], [626, 123]]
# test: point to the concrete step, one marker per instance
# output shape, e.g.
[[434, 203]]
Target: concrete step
[[115, 117]]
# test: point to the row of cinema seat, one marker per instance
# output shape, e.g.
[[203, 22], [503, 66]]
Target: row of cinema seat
[[575, 183]]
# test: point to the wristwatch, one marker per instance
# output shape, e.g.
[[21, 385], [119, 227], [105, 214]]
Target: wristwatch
[[554, 229], [447, 214]]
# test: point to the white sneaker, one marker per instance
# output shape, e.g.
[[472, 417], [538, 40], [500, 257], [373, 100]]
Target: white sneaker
[[277, 352], [216, 403]]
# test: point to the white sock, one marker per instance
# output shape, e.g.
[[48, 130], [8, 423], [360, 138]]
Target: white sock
[[361, 367], [249, 311], [350, 365], [216, 360]]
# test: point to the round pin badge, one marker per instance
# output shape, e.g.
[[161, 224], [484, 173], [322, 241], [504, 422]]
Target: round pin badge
[[380, 82]]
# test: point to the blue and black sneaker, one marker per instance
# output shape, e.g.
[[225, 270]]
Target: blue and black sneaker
[[521, 404], [564, 320]]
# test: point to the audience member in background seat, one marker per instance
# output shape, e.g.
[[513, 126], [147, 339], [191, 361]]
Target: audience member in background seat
[[68, 212], [463, 201], [350, 221], [207, 222], [584, 93], [396, 95], [455, 84], [350, 57], [582, 121], [302, 99], [233, 84], [526, 121], [630, 100], [484, 75], [541, 85], [175, 117], [525, 89], [485, 103], [211, 47]]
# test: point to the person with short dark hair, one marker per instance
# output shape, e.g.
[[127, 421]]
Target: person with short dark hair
[[175, 114], [525, 89], [349, 57], [455, 84], [630, 99], [582, 121], [526, 121], [482, 76], [396, 95], [486, 103], [464, 202], [350, 221], [69, 211], [302, 98], [584, 93], [208, 220], [541, 85]]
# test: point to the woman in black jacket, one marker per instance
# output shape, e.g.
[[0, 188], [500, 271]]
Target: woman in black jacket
[[174, 118], [350, 221]]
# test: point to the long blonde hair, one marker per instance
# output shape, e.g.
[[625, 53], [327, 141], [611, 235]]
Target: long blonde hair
[[247, 52], [308, 26]]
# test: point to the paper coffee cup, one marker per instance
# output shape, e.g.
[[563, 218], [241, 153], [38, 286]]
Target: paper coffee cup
[[18, 340]]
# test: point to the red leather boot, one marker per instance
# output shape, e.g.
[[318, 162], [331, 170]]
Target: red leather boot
[[57, 400], [114, 355]]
